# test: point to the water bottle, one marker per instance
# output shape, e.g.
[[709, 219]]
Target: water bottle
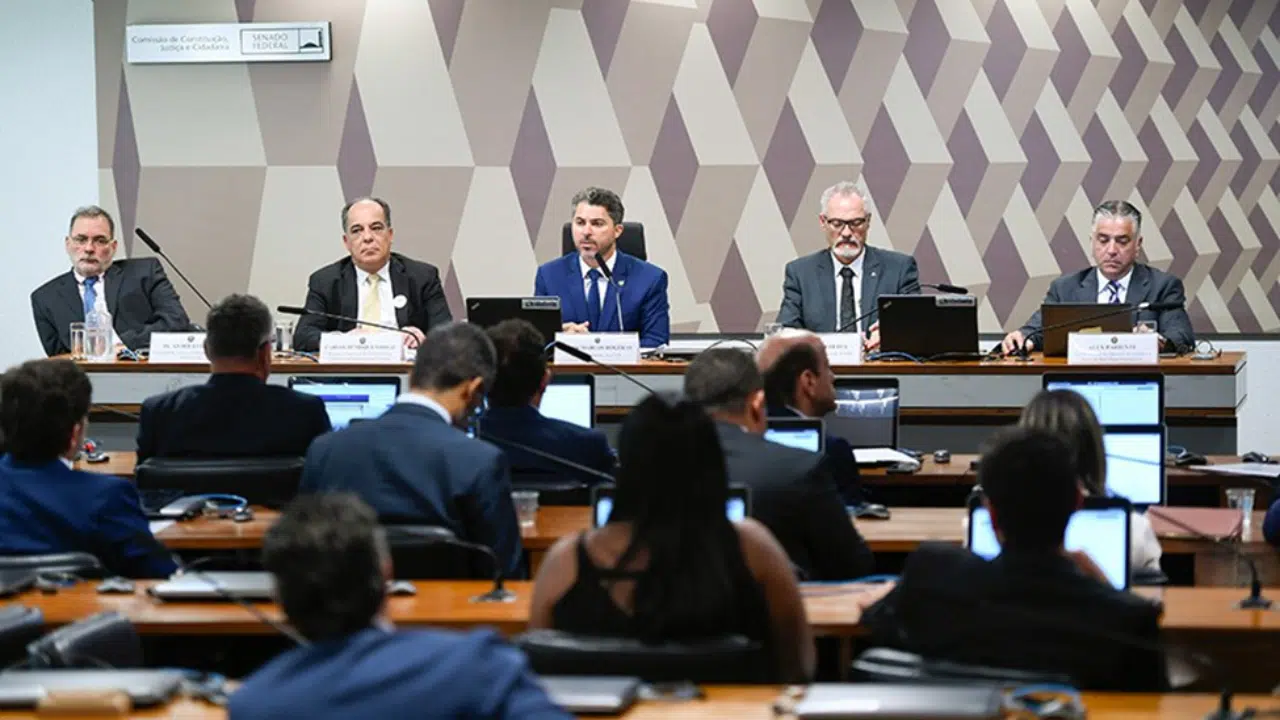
[[97, 336]]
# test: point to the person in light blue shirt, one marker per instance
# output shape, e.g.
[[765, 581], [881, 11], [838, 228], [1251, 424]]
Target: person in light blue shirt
[[331, 565]]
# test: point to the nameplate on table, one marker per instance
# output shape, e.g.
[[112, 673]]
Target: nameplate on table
[[176, 347], [373, 348], [1113, 349], [843, 348], [608, 348]]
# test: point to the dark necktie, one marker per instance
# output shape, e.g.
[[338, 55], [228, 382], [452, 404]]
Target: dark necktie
[[848, 311], [1113, 287], [90, 294], [593, 300]]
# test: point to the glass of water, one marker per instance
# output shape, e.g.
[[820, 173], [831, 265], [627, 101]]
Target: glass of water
[[526, 502], [77, 341], [1146, 326], [1242, 499]]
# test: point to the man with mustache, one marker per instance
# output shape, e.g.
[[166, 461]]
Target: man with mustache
[[588, 301], [836, 290], [1118, 279], [373, 284], [136, 292]]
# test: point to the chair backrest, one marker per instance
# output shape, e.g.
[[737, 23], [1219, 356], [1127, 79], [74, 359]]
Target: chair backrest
[[103, 640], [417, 553], [76, 563], [262, 481], [897, 666], [19, 625], [725, 659], [631, 241], [552, 488]]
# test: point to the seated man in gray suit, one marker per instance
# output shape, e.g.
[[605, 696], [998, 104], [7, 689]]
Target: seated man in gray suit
[[831, 290], [1118, 279]]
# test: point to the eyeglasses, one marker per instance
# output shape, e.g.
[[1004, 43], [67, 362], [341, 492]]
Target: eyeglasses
[[97, 240], [839, 225]]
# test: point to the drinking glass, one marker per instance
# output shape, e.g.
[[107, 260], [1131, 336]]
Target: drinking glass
[[77, 341], [526, 502], [1242, 499], [1146, 326]]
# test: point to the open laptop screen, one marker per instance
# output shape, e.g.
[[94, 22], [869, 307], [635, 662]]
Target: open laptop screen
[[1116, 399], [1135, 463], [1100, 529], [350, 398], [570, 398], [866, 413], [799, 433]]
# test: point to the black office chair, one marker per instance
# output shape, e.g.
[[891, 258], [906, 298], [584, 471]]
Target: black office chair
[[74, 563], [422, 552], [727, 659], [19, 625], [552, 488], [631, 241], [1148, 577], [896, 666], [105, 640], [262, 481]]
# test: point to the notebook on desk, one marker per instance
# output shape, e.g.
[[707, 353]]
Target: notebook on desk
[[876, 700], [26, 688], [1217, 523], [597, 695], [245, 585]]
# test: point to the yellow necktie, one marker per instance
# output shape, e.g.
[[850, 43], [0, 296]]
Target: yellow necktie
[[372, 311]]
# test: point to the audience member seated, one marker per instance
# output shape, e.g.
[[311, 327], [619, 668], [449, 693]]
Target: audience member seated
[[670, 566], [799, 382], [513, 412], [1068, 415], [414, 465], [792, 492], [236, 413], [46, 506], [1036, 606], [331, 566]]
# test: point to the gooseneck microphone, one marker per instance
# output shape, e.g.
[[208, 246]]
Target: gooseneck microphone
[[146, 240], [436, 535], [943, 287], [1116, 310], [292, 310], [587, 358], [617, 289], [550, 457]]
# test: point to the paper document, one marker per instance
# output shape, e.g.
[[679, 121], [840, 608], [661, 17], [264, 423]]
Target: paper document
[[882, 456], [1263, 470]]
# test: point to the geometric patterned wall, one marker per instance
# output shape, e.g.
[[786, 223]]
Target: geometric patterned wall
[[984, 131]]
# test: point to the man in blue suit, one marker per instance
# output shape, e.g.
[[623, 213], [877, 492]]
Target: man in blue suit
[[236, 413], [413, 465], [331, 566], [513, 412], [46, 506], [588, 301]]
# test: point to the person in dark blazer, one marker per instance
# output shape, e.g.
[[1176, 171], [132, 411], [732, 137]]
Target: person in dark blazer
[[792, 492], [1035, 607], [815, 287], [414, 465], [513, 413], [1118, 278], [372, 284], [236, 413], [588, 301], [331, 568], [136, 292], [48, 507]]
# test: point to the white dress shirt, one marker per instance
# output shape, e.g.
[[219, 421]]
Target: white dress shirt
[[411, 398], [856, 265], [388, 315], [99, 299], [1104, 295], [601, 283]]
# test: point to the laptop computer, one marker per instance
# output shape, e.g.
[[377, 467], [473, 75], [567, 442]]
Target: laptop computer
[[881, 700], [1135, 463], [244, 585], [542, 312], [866, 416], [26, 688], [350, 398], [929, 326], [1077, 317], [737, 507], [602, 695], [1117, 399], [800, 433], [1101, 529], [571, 398]]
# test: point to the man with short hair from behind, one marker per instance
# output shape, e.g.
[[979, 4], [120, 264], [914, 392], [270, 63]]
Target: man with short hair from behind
[[792, 492], [48, 507], [331, 566], [513, 413], [236, 413], [415, 465]]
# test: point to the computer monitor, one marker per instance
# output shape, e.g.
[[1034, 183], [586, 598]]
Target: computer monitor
[[736, 508], [350, 398], [1062, 319], [571, 398], [866, 412], [800, 433], [1119, 399], [1100, 529], [1135, 463], [541, 312]]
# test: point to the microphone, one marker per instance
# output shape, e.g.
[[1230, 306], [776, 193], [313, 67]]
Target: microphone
[[854, 322], [555, 459], [617, 289], [292, 310], [586, 357], [943, 287], [146, 240], [1116, 310], [436, 535]]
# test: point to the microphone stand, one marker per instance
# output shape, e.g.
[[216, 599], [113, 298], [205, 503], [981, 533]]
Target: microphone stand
[[1024, 354], [617, 289], [289, 310], [155, 248], [587, 358]]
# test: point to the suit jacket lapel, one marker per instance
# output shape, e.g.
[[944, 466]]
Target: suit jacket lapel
[[112, 276], [69, 308], [827, 297], [400, 287], [348, 293], [1139, 285], [870, 283], [576, 298], [609, 313]]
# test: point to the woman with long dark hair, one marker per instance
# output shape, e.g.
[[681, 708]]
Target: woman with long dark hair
[[669, 565]]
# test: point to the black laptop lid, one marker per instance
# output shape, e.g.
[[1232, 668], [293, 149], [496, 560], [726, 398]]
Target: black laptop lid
[[1077, 317], [541, 312], [929, 326]]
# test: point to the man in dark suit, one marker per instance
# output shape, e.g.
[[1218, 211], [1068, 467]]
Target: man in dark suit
[[373, 284], [136, 292], [236, 413], [1117, 279], [1036, 606], [331, 566], [45, 505], [588, 301], [513, 413], [799, 382], [413, 465], [792, 492], [831, 289]]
